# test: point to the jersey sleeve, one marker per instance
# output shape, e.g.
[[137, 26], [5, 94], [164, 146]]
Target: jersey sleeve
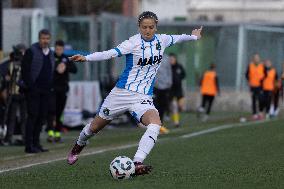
[[170, 40], [125, 47]]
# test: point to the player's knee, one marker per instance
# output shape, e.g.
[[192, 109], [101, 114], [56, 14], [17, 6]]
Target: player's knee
[[151, 117], [97, 124]]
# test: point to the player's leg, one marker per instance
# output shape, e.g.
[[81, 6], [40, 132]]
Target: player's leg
[[205, 108], [254, 101], [210, 102], [175, 112], [152, 120], [261, 98], [276, 102], [88, 131], [161, 102], [113, 105], [200, 109], [181, 103], [268, 103]]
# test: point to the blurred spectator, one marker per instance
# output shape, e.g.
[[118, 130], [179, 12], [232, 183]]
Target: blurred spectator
[[16, 113], [268, 85], [3, 97], [277, 92], [37, 73], [162, 88], [178, 102], [255, 75], [163, 84], [282, 84], [59, 95], [209, 87]]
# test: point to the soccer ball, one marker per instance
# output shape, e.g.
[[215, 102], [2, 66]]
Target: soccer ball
[[122, 168]]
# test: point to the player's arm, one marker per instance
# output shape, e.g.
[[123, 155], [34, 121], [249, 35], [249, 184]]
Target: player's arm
[[170, 40], [96, 56], [122, 49]]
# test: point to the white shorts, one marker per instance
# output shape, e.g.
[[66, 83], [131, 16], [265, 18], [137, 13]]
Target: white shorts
[[121, 100]]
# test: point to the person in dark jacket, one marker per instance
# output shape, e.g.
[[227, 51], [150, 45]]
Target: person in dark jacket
[[15, 114], [37, 75], [59, 96], [178, 74]]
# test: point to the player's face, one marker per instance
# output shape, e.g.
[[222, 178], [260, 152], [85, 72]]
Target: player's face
[[173, 60], [59, 50], [44, 40], [148, 28]]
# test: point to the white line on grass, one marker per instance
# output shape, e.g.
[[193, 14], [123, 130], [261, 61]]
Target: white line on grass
[[215, 129], [191, 135]]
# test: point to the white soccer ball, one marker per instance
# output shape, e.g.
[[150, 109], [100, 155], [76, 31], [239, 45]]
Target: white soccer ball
[[121, 168]]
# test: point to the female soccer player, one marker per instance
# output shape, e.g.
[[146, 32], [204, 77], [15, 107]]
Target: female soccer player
[[133, 91]]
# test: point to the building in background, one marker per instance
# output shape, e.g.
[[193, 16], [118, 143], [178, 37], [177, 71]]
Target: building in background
[[255, 11]]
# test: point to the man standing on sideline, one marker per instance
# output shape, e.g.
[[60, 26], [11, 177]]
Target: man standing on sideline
[[63, 66], [255, 75], [37, 74], [163, 84]]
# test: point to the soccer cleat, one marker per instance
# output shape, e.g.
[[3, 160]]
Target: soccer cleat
[[141, 169], [255, 117], [57, 137], [261, 116], [58, 140], [199, 112], [205, 118], [164, 130], [49, 139], [73, 155], [50, 134]]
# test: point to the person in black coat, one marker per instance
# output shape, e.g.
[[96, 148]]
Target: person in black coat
[[37, 76], [177, 96], [59, 96]]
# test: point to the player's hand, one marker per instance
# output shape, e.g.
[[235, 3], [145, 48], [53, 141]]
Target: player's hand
[[197, 32], [61, 68], [77, 58]]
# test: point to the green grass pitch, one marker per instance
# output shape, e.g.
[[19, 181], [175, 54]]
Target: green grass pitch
[[240, 157]]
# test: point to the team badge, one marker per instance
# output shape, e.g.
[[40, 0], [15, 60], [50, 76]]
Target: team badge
[[106, 111], [158, 46]]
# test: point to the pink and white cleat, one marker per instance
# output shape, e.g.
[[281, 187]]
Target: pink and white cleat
[[141, 169], [73, 155]]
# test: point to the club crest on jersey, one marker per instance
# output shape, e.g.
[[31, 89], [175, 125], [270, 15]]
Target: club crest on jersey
[[158, 46], [106, 111], [150, 61]]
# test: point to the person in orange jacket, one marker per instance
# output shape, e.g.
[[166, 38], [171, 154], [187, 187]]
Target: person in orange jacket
[[268, 86], [209, 88], [277, 93], [255, 75]]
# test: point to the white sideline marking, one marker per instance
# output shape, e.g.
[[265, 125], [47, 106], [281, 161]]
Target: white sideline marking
[[215, 129], [191, 135]]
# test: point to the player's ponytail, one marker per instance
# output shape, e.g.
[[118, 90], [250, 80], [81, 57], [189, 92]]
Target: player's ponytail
[[147, 14]]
